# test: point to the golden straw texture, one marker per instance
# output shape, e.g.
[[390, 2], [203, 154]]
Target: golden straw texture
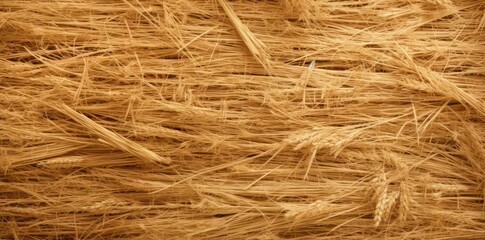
[[237, 119]]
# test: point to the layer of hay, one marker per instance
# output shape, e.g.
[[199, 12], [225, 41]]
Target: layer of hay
[[218, 119]]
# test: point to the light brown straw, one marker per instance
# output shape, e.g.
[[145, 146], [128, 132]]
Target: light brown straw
[[239, 119]]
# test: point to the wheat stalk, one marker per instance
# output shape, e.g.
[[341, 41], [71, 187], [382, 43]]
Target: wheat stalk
[[106, 206], [405, 201], [448, 187], [333, 139], [306, 211], [381, 198], [389, 204], [20, 211], [63, 162]]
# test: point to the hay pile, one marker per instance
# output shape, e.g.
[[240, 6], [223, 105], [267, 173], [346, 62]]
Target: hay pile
[[218, 119]]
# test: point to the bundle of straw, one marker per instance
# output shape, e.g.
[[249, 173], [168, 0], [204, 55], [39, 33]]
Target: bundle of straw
[[222, 119]]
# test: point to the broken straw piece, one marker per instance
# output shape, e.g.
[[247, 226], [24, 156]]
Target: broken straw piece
[[255, 46], [113, 139]]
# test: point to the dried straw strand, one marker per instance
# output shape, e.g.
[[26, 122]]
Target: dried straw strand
[[112, 138]]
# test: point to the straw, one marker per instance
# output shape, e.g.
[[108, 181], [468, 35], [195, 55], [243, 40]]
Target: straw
[[233, 119]]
